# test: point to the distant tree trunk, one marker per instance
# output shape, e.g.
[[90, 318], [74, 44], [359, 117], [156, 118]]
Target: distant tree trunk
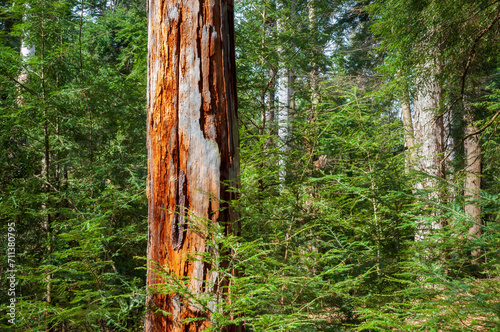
[[284, 93], [409, 133], [270, 99], [269, 90], [283, 111], [429, 139], [267, 106], [314, 84], [473, 179], [46, 166], [408, 127], [26, 52], [408, 130], [313, 75], [192, 151], [314, 81]]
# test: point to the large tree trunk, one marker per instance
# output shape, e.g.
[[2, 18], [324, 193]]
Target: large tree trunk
[[192, 152], [429, 139]]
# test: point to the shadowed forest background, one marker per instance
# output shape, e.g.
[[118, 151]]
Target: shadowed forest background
[[370, 166]]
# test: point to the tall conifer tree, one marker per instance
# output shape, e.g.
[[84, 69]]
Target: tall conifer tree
[[192, 155]]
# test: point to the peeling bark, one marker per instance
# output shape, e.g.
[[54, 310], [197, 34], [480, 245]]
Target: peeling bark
[[192, 148]]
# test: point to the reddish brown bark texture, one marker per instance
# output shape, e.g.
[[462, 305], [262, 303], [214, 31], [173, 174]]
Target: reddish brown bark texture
[[192, 146]]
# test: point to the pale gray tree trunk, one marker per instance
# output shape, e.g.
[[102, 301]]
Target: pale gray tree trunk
[[26, 52], [409, 135], [473, 179], [429, 141], [283, 94], [270, 115], [314, 74], [408, 126]]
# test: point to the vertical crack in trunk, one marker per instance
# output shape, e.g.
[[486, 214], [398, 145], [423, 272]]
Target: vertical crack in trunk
[[179, 220]]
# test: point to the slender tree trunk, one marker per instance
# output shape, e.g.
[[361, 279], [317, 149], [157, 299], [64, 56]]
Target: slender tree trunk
[[313, 75], [283, 112], [268, 92], [26, 52], [408, 130], [314, 83], [192, 152], [283, 93], [408, 125], [46, 165], [429, 139], [473, 180], [267, 99], [47, 227], [270, 116]]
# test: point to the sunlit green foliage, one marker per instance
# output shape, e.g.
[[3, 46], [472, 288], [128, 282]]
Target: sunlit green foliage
[[80, 213]]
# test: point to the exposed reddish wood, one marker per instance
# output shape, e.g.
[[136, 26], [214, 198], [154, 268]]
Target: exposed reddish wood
[[192, 145]]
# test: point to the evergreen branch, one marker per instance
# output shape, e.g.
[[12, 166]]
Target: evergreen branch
[[249, 120], [472, 52], [4, 72], [486, 126], [464, 76]]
